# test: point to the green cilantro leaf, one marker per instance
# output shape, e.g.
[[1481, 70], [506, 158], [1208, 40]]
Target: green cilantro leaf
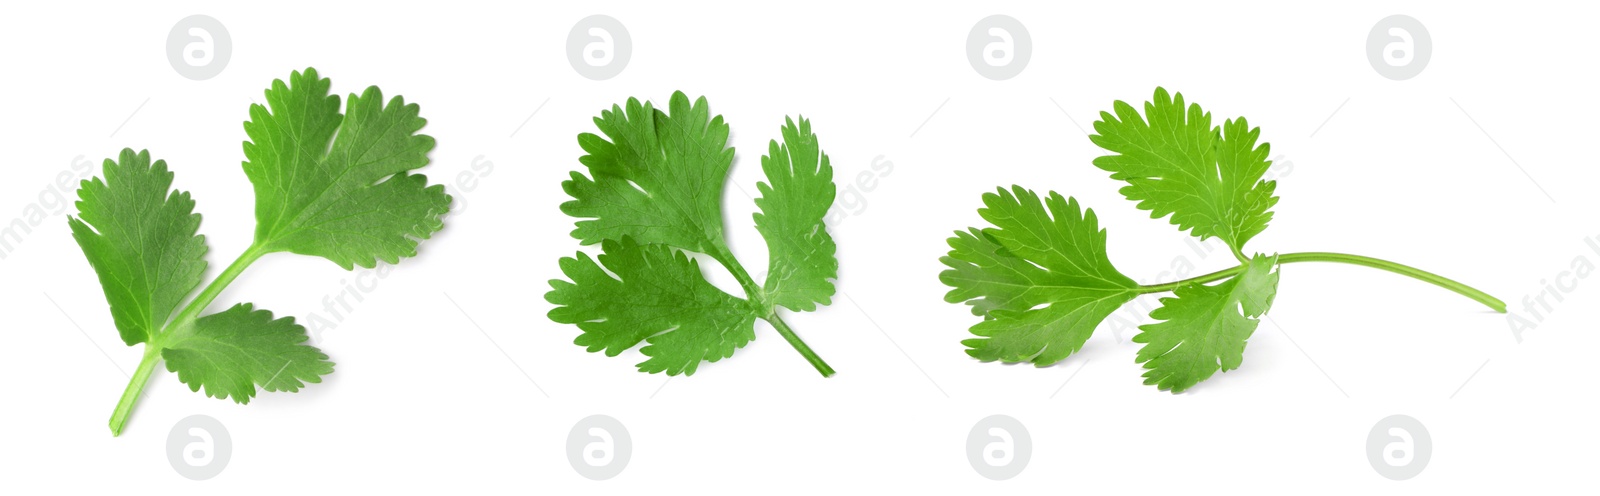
[[654, 185], [657, 295], [338, 186], [1175, 162], [1204, 328], [800, 254], [232, 352], [659, 178], [141, 237], [1041, 280]]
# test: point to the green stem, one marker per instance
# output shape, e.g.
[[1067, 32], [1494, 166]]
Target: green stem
[[130, 395], [1214, 276], [199, 304], [724, 256], [1405, 270], [185, 318], [758, 296], [800, 346], [1239, 255]]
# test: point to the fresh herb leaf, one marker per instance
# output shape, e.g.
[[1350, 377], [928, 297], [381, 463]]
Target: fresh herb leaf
[[1175, 162], [658, 179], [332, 185], [339, 186], [655, 185], [141, 237], [1204, 328], [1041, 279], [655, 290], [800, 254], [230, 352]]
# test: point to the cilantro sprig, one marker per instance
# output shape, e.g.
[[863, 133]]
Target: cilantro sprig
[[334, 185], [653, 193], [1041, 279]]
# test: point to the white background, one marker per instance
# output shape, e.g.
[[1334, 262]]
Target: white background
[[424, 400]]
